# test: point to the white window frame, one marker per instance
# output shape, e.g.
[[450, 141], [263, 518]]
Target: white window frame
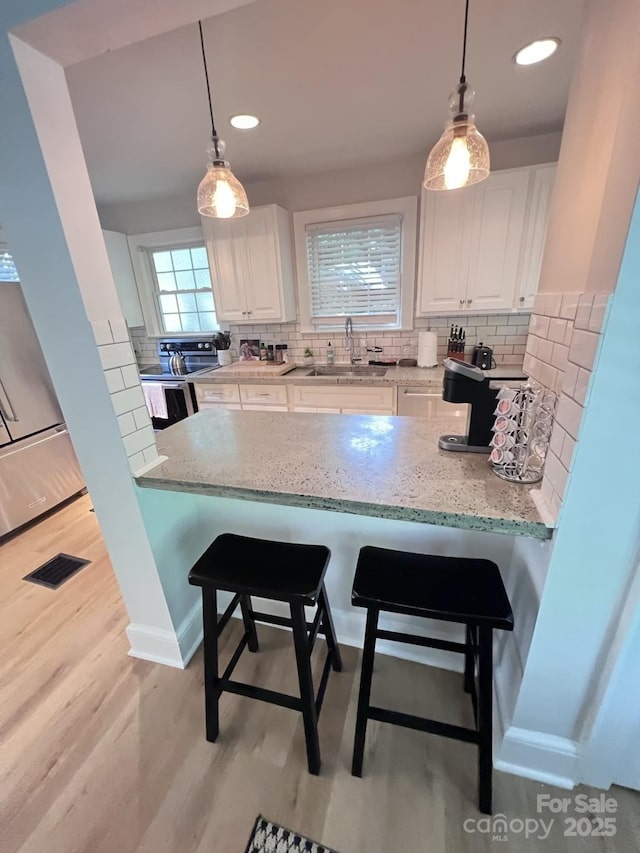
[[407, 207], [140, 247]]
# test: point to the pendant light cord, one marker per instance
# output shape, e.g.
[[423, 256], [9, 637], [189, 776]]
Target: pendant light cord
[[464, 42], [206, 75]]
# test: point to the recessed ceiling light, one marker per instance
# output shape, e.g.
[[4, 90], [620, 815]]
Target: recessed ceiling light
[[244, 122], [536, 51]]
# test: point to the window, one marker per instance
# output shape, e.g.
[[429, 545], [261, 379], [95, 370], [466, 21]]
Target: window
[[357, 261], [183, 289], [8, 271], [174, 282]]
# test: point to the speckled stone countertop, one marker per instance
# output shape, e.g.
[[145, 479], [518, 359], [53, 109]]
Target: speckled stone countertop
[[388, 467], [429, 376]]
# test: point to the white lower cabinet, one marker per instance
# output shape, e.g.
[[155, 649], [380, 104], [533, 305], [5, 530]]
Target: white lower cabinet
[[263, 395], [360, 400], [217, 394], [204, 406], [316, 399]]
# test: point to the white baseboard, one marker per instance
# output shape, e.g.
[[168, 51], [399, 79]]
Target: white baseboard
[[155, 645], [539, 756], [190, 632]]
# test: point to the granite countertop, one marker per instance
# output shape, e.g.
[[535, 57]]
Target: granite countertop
[[425, 376], [388, 467]]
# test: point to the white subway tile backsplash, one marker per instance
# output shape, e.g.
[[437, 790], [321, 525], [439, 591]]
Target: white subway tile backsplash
[[570, 377], [126, 423], [141, 417], [539, 326], [119, 330], [557, 330], [102, 332], [582, 386], [136, 461], [583, 348], [545, 350], [569, 306], [569, 415], [150, 453], [583, 311], [116, 355], [127, 400], [598, 309], [138, 440], [130, 375], [114, 379], [568, 446]]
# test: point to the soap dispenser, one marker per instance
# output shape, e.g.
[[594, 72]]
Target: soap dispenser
[[330, 355]]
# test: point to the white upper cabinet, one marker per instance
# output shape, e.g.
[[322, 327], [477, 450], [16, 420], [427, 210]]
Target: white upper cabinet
[[123, 277], [481, 247], [496, 237], [535, 233], [444, 252], [251, 266]]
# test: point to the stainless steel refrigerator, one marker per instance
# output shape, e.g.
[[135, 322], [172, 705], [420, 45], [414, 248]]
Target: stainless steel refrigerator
[[38, 466]]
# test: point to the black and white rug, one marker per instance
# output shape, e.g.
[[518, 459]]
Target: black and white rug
[[268, 837]]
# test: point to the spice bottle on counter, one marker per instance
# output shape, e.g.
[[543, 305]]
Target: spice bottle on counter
[[285, 353], [278, 354], [270, 356], [263, 352]]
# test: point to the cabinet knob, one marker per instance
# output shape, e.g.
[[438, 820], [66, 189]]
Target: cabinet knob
[[462, 302], [469, 301], [522, 299], [249, 312], [244, 313]]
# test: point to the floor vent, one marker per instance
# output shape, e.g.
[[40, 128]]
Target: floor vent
[[56, 571]]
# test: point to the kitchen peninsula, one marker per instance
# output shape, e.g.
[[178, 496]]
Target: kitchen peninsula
[[387, 467], [343, 481]]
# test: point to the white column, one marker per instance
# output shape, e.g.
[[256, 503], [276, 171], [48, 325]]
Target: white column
[[49, 215]]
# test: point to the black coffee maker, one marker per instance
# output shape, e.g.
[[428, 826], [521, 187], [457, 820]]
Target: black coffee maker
[[465, 383], [482, 357]]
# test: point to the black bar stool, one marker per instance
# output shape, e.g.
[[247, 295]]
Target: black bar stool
[[451, 589], [279, 571]]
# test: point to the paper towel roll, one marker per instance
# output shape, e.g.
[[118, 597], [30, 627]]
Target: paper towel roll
[[427, 349]]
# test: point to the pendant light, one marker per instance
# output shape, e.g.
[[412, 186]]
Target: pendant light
[[220, 194], [461, 155]]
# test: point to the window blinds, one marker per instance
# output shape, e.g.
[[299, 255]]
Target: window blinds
[[8, 271], [354, 267]]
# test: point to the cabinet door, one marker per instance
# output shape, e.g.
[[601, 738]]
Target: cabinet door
[[228, 263], [496, 240], [123, 277], [444, 250], [535, 234], [263, 279]]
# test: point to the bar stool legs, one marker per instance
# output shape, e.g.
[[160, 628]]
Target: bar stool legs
[[211, 689], [249, 623], [330, 631], [364, 695], [303, 661], [485, 719]]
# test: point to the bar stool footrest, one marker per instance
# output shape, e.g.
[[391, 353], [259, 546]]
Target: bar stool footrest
[[410, 721], [252, 692]]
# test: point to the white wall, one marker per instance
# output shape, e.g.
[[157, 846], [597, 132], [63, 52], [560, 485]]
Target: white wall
[[373, 182]]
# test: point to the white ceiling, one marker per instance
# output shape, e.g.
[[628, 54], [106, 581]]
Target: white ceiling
[[336, 83]]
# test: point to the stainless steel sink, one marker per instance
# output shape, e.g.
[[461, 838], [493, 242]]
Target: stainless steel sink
[[347, 370]]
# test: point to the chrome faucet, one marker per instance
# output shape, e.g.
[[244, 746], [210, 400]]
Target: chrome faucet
[[349, 341]]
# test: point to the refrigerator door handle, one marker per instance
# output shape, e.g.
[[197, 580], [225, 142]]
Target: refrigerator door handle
[[6, 409]]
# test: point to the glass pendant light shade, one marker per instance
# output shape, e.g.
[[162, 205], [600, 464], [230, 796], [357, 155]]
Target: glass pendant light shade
[[461, 155], [220, 194]]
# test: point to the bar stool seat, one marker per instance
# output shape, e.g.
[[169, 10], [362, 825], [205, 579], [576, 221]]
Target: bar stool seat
[[278, 571], [453, 589]]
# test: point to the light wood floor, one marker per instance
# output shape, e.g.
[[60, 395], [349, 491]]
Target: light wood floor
[[101, 753]]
